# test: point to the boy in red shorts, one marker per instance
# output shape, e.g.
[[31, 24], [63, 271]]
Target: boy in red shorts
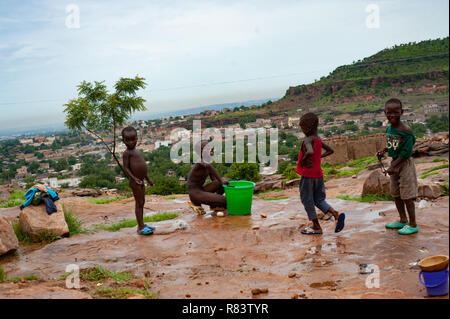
[[312, 187]]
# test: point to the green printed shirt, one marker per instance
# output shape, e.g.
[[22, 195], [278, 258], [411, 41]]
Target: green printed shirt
[[399, 143]]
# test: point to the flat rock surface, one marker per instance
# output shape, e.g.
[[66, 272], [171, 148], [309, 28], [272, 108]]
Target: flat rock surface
[[227, 257]]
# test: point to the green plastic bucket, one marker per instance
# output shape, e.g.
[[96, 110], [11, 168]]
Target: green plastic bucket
[[239, 195]]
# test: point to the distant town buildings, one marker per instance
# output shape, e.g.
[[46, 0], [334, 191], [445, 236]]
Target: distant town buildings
[[160, 143], [22, 172], [432, 109]]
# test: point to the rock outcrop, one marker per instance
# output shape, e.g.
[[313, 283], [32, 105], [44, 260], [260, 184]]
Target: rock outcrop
[[8, 239], [429, 190], [34, 220], [376, 183], [434, 145]]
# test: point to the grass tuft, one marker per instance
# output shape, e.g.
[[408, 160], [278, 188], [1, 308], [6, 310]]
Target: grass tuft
[[121, 293], [444, 188], [16, 198], [101, 201], [368, 198], [275, 198], [3, 275], [74, 223], [17, 279], [438, 160], [127, 223], [21, 236], [428, 172], [98, 273]]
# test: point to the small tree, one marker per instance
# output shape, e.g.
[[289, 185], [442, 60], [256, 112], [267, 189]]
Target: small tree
[[97, 111]]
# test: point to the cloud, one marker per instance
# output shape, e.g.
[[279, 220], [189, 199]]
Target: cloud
[[178, 43]]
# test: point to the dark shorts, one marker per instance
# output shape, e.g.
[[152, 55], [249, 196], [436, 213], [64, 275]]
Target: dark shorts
[[312, 195]]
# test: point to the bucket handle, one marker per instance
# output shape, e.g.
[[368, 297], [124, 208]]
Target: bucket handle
[[432, 286]]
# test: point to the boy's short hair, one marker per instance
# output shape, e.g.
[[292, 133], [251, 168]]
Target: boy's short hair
[[309, 120], [129, 129], [394, 101]]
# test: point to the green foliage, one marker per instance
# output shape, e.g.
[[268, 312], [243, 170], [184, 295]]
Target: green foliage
[[282, 166], [74, 223], [48, 236], [105, 200], [21, 236], [437, 123], [26, 278], [419, 129], [429, 174], [429, 171], [98, 273], [127, 223], [435, 160], [16, 198], [244, 171], [3, 275], [275, 198], [96, 109], [444, 188], [166, 186], [121, 293], [290, 173], [368, 198]]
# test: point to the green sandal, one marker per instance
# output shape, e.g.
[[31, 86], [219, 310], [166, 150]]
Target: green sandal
[[396, 225], [408, 230]]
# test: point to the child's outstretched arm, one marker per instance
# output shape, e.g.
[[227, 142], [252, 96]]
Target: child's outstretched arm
[[328, 150], [150, 182], [126, 167], [309, 152]]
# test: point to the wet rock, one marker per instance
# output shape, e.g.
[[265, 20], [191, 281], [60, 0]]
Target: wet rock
[[34, 220], [139, 283], [8, 239], [257, 291], [292, 183], [86, 192], [434, 145], [431, 191], [376, 183]]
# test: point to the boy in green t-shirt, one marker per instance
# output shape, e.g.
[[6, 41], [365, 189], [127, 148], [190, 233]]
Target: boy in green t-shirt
[[400, 141]]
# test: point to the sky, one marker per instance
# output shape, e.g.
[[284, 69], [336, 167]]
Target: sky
[[191, 53]]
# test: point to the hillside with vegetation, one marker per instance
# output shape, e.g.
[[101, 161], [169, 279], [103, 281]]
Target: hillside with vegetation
[[402, 70]]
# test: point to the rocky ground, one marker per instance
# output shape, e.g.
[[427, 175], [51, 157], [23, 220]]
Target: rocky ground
[[229, 257]]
